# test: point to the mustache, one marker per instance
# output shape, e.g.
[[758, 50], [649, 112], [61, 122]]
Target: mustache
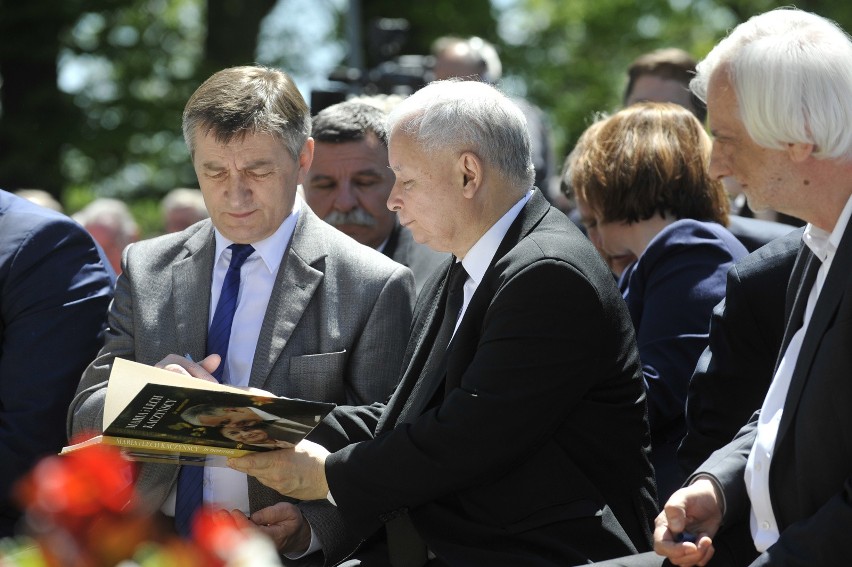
[[356, 216]]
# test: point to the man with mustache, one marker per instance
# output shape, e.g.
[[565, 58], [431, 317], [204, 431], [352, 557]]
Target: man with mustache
[[349, 183]]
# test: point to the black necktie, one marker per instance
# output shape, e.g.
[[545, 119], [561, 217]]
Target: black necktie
[[452, 307], [190, 489], [405, 546]]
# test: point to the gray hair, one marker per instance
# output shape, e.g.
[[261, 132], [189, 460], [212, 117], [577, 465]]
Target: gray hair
[[469, 115], [111, 213], [792, 74], [248, 100]]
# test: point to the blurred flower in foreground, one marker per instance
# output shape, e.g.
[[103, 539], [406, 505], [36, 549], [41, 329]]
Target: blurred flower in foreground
[[81, 510]]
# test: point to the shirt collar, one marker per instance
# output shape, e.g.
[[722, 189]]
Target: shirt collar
[[270, 249], [479, 257], [822, 243]]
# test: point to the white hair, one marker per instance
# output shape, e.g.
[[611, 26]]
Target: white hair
[[792, 74], [468, 115]]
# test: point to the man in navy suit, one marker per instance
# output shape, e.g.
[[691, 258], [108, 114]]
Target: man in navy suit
[[55, 293], [518, 434], [779, 98]]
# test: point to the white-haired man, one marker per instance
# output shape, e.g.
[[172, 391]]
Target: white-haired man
[[518, 434]]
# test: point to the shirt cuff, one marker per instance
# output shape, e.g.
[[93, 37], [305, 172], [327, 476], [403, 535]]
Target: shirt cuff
[[315, 545]]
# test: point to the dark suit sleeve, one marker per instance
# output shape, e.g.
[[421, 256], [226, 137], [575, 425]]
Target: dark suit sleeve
[[54, 299], [85, 414], [516, 383], [680, 284], [731, 377]]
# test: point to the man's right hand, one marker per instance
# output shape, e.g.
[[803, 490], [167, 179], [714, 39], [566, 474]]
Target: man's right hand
[[187, 367], [284, 523], [695, 509]]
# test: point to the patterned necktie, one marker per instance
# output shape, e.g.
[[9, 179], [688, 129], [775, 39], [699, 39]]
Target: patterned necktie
[[190, 490]]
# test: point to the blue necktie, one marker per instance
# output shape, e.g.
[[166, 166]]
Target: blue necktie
[[190, 491]]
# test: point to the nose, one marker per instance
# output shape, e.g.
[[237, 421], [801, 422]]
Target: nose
[[719, 167], [345, 199], [238, 192], [394, 199]]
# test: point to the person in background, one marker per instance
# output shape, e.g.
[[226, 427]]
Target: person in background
[[582, 214], [41, 197], [53, 306], [349, 183], [663, 75], [182, 208], [112, 225], [319, 316], [518, 434], [644, 173]]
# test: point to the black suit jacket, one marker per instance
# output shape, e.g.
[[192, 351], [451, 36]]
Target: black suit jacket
[[810, 483], [538, 453], [754, 233], [735, 370]]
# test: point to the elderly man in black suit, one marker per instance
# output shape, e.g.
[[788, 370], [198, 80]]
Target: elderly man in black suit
[[518, 434], [779, 96], [349, 183]]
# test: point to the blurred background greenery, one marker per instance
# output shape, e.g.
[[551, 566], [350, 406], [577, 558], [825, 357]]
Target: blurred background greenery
[[92, 90]]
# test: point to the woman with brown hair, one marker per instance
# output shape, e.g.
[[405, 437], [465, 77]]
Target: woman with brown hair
[[644, 174]]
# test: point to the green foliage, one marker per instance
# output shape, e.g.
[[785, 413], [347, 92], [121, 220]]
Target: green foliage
[[573, 56], [138, 72]]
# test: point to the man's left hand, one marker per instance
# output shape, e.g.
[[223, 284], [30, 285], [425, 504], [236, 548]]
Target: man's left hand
[[285, 525], [298, 472]]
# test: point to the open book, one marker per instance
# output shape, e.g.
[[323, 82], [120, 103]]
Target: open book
[[162, 416]]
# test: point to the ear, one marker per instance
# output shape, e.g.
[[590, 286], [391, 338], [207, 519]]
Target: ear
[[306, 156], [470, 167], [799, 152]]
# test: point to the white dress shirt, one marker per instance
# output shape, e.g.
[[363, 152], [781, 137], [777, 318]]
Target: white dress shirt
[[479, 257], [764, 528]]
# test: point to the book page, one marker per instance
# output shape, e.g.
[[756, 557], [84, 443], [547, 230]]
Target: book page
[[127, 379]]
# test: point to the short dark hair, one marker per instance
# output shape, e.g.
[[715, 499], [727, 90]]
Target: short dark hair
[[649, 158], [667, 63], [248, 100], [349, 121]]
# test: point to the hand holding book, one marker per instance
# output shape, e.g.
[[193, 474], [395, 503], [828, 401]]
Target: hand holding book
[[164, 416]]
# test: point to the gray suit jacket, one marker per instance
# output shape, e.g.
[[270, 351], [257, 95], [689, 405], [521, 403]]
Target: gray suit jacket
[[335, 329]]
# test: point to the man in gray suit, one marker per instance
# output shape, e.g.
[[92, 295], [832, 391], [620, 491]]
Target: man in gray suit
[[349, 183], [317, 315]]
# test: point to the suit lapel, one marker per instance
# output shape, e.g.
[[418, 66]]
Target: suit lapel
[[191, 280], [295, 284], [423, 332], [835, 286], [470, 328], [797, 296]]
